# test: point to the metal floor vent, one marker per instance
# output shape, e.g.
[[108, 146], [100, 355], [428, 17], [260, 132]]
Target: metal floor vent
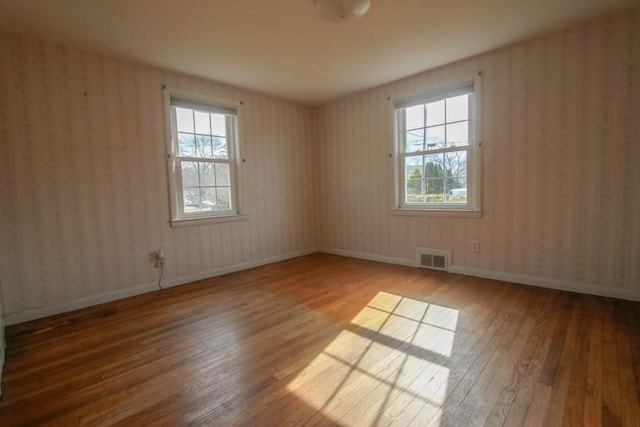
[[436, 259]]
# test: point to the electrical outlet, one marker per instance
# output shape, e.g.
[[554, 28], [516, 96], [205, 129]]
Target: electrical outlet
[[159, 258], [475, 246]]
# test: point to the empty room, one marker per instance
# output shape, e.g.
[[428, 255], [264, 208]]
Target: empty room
[[320, 212]]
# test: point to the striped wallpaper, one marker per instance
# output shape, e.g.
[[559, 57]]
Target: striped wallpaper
[[561, 156], [83, 178]]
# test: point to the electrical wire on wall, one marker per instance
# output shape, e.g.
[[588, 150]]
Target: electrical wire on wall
[[160, 277], [159, 255]]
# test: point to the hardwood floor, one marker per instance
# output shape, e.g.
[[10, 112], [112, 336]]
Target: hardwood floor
[[326, 340]]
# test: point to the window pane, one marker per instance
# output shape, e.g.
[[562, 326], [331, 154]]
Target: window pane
[[207, 174], [414, 189], [415, 117], [190, 175], [191, 199], [186, 145], [223, 199], [184, 119], [456, 163], [435, 138], [414, 186], [458, 108], [435, 190], [203, 147], [220, 148], [458, 134], [457, 190], [435, 113], [413, 176], [415, 140], [434, 167], [202, 122], [418, 198], [222, 174], [218, 123], [208, 196], [414, 161]]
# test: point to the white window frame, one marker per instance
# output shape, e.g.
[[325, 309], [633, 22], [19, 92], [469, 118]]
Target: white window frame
[[432, 93], [182, 97]]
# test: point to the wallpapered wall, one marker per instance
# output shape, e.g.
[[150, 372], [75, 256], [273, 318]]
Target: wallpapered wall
[[83, 176], [561, 156], [84, 181]]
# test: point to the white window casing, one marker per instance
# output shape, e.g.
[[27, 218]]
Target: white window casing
[[203, 158], [437, 149]]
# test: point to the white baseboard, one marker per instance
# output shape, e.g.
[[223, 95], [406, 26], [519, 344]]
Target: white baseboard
[[38, 313], [236, 267], [542, 282], [562, 285], [370, 257]]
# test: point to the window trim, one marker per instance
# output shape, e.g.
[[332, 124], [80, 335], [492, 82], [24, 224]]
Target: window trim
[[212, 104], [474, 180]]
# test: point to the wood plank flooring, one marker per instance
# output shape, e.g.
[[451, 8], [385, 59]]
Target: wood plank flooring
[[331, 341]]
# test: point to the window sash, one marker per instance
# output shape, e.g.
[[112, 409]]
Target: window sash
[[230, 130], [180, 188], [181, 102], [445, 177], [435, 96], [231, 123], [402, 155], [436, 151]]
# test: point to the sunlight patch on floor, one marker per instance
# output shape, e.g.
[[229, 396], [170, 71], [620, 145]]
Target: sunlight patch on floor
[[391, 359]]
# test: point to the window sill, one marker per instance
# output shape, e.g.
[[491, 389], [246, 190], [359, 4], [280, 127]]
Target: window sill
[[188, 222], [450, 213]]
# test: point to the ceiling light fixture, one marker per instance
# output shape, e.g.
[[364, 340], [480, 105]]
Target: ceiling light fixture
[[341, 10]]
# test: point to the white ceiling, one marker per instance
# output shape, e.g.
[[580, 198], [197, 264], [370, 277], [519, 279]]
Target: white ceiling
[[282, 48]]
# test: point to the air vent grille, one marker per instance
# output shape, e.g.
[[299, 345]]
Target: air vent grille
[[436, 259]]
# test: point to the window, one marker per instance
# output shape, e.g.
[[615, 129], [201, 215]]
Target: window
[[437, 149], [203, 150]]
